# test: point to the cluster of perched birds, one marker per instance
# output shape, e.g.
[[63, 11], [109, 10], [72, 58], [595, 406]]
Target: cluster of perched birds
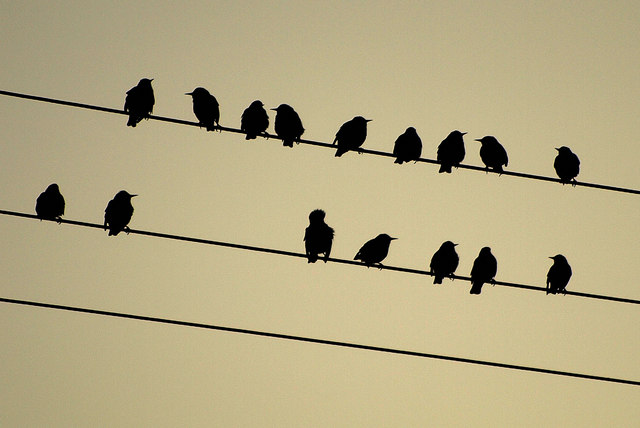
[[352, 134]]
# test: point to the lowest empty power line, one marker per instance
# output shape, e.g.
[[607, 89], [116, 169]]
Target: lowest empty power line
[[318, 143], [332, 260], [320, 341]]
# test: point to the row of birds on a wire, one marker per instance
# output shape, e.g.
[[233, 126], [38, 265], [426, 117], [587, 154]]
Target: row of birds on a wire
[[352, 134], [318, 241]]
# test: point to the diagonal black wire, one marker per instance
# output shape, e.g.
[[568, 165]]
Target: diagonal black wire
[[333, 260], [319, 143], [319, 341]]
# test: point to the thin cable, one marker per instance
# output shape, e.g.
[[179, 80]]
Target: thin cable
[[331, 259], [320, 143], [319, 341]]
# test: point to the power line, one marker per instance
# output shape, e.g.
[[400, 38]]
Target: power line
[[333, 260], [319, 143], [318, 341]]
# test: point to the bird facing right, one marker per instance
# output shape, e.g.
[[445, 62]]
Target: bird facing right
[[50, 204], [318, 237], [288, 125], [444, 262], [558, 275], [254, 120], [139, 102], [451, 151], [206, 108], [408, 146], [375, 250], [484, 270], [351, 135], [492, 153], [566, 164], [118, 213]]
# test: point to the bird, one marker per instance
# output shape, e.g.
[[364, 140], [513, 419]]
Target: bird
[[318, 237], [118, 213], [254, 120], [444, 262], [484, 270], [408, 146], [351, 135], [566, 164], [288, 125], [451, 151], [492, 153], [558, 275], [375, 250], [139, 102], [206, 108], [50, 204]]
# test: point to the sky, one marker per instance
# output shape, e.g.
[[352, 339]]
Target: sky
[[536, 75]]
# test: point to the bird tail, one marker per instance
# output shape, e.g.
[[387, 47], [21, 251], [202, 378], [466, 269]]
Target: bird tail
[[312, 258], [133, 121], [340, 152], [287, 143], [476, 287], [445, 168], [113, 232], [250, 137], [398, 161], [499, 169], [437, 279]]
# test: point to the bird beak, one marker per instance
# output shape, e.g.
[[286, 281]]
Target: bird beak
[[393, 238], [368, 120], [455, 245], [274, 109], [557, 149], [463, 133], [477, 139], [133, 196], [150, 80], [189, 93]]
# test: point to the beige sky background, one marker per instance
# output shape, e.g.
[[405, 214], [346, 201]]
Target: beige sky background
[[536, 75]]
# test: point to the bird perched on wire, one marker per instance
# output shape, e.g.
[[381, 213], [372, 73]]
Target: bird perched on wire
[[484, 270], [408, 146], [118, 213], [444, 262], [139, 102], [206, 108], [451, 151], [50, 204], [254, 120], [351, 135], [492, 153], [288, 125], [558, 275], [318, 237], [375, 250], [566, 164]]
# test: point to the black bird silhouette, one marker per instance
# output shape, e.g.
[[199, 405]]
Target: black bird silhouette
[[451, 151], [351, 135], [50, 204], [288, 125], [254, 120], [318, 237], [484, 270], [566, 164], [206, 108], [408, 146], [118, 213], [559, 275], [492, 153], [139, 102], [375, 250], [444, 262]]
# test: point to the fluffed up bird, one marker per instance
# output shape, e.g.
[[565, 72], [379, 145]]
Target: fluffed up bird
[[254, 120], [566, 164], [375, 250], [444, 262], [484, 270], [118, 213], [206, 108], [50, 204], [559, 275], [351, 135], [408, 146], [139, 102], [492, 153], [318, 237], [288, 125], [451, 151]]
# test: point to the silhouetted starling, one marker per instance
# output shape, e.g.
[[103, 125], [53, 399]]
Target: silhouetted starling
[[288, 125], [50, 204], [254, 120], [375, 250], [567, 165], [351, 135], [318, 237], [139, 102], [451, 151], [492, 153], [559, 275], [408, 146], [206, 108], [118, 213], [484, 270], [444, 262]]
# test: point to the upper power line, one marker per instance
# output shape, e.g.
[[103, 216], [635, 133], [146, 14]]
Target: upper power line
[[323, 144]]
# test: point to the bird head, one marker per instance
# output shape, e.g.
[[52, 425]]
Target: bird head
[[485, 250], [411, 130], [53, 188], [563, 150], [256, 104], [124, 195], [448, 244], [486, 139], [282, 107], [198, 92], [559, 258], [145, 82], [385, 237], [316, 216]]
